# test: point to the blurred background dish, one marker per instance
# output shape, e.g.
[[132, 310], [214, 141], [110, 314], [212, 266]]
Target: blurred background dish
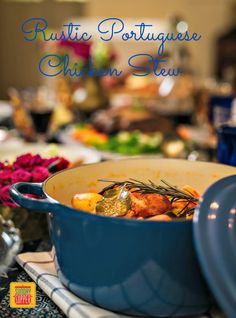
[[124, 143], [5, 110]]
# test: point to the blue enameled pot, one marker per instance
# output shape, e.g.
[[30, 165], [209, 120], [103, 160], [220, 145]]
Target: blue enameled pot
[[146, 268]]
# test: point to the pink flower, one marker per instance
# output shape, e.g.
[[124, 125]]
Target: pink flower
[[5, 176], [81, 49], [5, 197], [36, 160], [47, 162], [20, 175], [58, 164], [2, 165], [62, 163], [23, 161], [39, 174]]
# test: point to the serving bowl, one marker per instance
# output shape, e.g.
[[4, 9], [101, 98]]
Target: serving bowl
[[146, 268]]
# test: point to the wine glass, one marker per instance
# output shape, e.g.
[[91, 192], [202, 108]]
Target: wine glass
[[41, 105]]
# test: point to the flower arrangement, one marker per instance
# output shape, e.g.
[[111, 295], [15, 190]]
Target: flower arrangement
[[101, 54], [27, 168], [86, 64]]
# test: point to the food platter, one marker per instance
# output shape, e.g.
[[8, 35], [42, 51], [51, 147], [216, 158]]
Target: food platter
[[120, 146]]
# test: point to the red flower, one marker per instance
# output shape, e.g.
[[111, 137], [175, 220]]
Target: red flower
[[27, 168], [5, 197], [47, 162], [20, 175], [58, 164], [39, 174], [62, 163], [5, 176], [81, 49], [36, 160], [23, 161]]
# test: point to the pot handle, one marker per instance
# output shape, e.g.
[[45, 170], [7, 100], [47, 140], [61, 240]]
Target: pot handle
[[18, 190]]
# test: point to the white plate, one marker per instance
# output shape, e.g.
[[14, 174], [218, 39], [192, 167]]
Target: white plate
[[71, 153], [5, 110]]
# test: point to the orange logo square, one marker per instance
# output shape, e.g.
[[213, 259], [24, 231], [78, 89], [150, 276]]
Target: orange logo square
[[22, 295]]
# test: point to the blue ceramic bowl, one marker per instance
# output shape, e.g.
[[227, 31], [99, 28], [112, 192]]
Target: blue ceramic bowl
[[135, 267]]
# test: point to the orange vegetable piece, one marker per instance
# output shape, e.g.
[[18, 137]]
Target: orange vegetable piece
[[86, 201]]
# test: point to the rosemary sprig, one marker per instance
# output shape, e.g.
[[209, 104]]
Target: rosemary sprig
[[150, 187]]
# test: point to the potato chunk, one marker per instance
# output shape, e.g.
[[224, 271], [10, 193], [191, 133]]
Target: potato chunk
[[86, 201]]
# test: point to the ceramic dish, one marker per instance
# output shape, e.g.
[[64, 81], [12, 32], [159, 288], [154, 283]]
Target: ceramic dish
[[130, 266], [215, 239]]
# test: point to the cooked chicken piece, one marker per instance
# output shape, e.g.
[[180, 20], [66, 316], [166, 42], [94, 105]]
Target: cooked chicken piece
[[146, 205]]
